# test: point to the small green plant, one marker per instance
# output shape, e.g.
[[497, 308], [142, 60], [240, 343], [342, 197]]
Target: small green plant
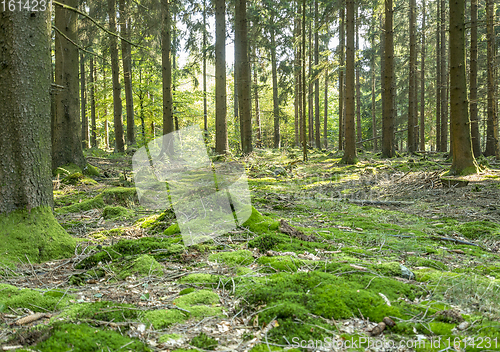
[[204, 341]]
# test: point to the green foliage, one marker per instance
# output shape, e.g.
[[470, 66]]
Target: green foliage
[[204, 342], [241, 257], [163, 318], [143, 265], [111, 212], [13, 297], [479, 230], [103, 311]]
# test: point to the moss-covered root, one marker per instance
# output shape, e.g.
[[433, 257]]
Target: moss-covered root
[[35, 234]]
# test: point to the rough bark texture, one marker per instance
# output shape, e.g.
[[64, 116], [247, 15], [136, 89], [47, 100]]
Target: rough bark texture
[[304, 100], [444, 81], [83, 104], [166, 63], [205, 108], [243, 73], [276, 108], [422, 83], [296, 75], [66, 134], [316, 80], [388, 118], [221, 143], [412, 118], [125, 25], [359, 135], [372, 84], [350, 137], [438, 76], [476, 141], [25, 78], [462, 154], [256, 97], [115, 73], [341, 76], [492, 146], [92, 77]]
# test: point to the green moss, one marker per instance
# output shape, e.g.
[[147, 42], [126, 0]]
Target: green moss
[[197, 297], [73, 179], [35, 234], [280, 263], [91, 170], [204, 342], [83, 338], [199, 279], [186, 291], [259, 224], [241, 257], [111, 212], [265, 242], [104, 311], [479, 230], [388, 269], [167, 337], [112, 196], [419, 261], [172, 230], [159, 222], [163, 318], [67, 170], [144, 265], [13, 297]]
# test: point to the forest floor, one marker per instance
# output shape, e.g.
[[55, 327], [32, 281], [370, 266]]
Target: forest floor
[[383, 255]]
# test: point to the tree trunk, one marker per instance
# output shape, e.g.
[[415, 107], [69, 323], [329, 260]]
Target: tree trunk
[[256, 97], [422, 83], [115, 73], [350, 137], [473, 81], [66, 134], [316, 80], [444, 81], [388, 119], [382, 72], [125, 25], [221, 143], [106, 124], [359, 134], [276, 108], [244, 80], [83, 100], [372, 69], [311, 85], [438, 76], [304, 100], [166, 62], [205, 107], [92, 78], [325, 107], [462, 154], [492, 146], [341, 75], [296, 74], [412, 81]]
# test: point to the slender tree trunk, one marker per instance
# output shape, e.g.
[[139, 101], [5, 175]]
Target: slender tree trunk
[[444, 81], [438, 76], [304, 100], [388, 119], [462, 154], [106, 124], [296, 68], [276, 108], [412, 80], [125, 25], [372, 69], [473, 81], [244, 80], [66, 134], [166, 62], [325, 107], [93, 75], [316, 81], [350, 137], [83, 105], [221, 143], [300, 78], [256, 97], [117, 99], [205, 107], [422, 83], [382, 73], [173, 55], [492, 146], [359, 134], [311, 85], [341, 75]]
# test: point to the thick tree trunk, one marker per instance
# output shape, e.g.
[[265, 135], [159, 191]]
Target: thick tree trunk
[[462, 154], [388, 118], [359, 134], [66, 134], [350, 133], [93, 75], [221, 143], [83, 105], [412, 118], [166, 62], [492, 146], [341, 75], [473, 81], [115, 73], [243, 72], [316, 81], [125, 25], [422, 83], [444, 81]]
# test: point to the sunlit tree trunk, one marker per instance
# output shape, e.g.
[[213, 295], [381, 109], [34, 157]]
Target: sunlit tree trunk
[[256, 97], [438, 76], [92, 79], [422, 82], [304, 100], [462, 154], [83, 104], [444, 81], [166, 62], [296, 75], [473, 81], [350, 136], [372, 84], [359, 134], [341, 75], [316, 80], [412, 81], [125, 25], [205, 107], [221, 143], [388, 118], [492, 146]]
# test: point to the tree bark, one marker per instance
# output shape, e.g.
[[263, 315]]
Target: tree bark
[[412, 81], [256, 97], [166, 62], [92, 78], [492, 146], [125, 25], [422, 82], [221, 143], [296, 74], [372, 69], [66, 134], [359, 134], [83, 100], [473, 81], [205, 107], [243, 72], [438, 76], [115, 73], [276, 108], [341, 75], [444, 81], [462, 154], [388, 119], [304, 100], [106, 124], [350, 133], [316, 74]]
